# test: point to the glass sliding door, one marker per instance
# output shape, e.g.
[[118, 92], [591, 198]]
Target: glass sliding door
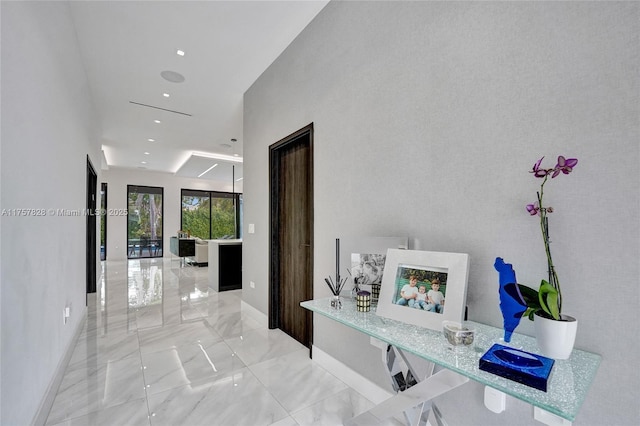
[[144, 224], [210, 214]]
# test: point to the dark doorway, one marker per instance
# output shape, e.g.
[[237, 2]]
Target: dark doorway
[[92, 189], [291, 205], [103, 221]]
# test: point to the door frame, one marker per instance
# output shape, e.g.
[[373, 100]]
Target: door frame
[[91, 258], [276, 152], [104, 188]]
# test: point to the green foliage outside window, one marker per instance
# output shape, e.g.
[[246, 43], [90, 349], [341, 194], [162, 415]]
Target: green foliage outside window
[[145, 215], [208, 217], [223, 218], [195, 216]]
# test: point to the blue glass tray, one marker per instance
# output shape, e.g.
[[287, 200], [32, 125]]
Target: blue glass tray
[[520, 366]]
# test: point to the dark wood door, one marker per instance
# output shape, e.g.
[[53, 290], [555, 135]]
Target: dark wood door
[[292, 235]]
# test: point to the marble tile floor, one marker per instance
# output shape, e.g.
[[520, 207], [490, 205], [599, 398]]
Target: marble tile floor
[[160, 348]]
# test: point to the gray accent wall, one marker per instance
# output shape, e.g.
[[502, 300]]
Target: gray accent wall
[[427, 118]]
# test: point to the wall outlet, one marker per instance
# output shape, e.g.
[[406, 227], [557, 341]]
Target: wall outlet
[[66, 313], [252, 284]]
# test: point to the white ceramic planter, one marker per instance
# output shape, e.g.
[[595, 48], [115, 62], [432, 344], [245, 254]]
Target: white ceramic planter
[[555, 338]]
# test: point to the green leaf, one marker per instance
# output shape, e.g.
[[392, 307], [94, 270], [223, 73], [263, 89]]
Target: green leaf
[[529, 295], [532, 300], [529, 313], [548, 297]]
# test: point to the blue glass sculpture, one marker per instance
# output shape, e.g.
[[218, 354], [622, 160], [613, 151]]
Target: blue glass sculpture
[[512, 304]]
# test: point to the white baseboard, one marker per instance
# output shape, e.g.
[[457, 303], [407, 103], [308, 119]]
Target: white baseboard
[[254, 313], [361, 384], [50, 395]]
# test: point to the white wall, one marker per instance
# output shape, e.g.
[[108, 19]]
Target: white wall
[[48, 129], [428, 117], [117, 180]]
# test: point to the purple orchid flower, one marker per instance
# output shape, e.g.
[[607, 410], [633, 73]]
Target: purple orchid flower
[[565, 165], [533, 209], [537, 171]]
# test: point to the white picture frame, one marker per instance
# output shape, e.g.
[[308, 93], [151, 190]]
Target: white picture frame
[[450, 269]]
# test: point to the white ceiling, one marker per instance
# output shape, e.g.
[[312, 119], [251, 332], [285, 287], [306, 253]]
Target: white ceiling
[[125, 46]]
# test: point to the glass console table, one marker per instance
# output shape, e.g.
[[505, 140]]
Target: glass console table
[[568, 385]]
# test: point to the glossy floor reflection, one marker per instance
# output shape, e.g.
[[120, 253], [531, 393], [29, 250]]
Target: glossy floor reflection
[[160, 348]]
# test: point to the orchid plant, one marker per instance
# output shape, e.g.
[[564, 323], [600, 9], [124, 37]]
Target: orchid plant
[[547, 300]]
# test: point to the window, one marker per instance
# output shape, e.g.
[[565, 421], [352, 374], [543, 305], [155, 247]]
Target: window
[[144, 221], [211, 215]]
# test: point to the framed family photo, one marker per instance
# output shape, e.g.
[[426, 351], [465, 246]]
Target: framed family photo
[[424, 288]]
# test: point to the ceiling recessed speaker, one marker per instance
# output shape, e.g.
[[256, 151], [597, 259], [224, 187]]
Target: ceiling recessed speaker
[[172, 76]]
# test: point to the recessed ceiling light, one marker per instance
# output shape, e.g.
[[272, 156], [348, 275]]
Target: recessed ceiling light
[[157, 121], [143, 162], [200, 175], [146, 153], [166, 95], [180, 52], [151, 140]]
